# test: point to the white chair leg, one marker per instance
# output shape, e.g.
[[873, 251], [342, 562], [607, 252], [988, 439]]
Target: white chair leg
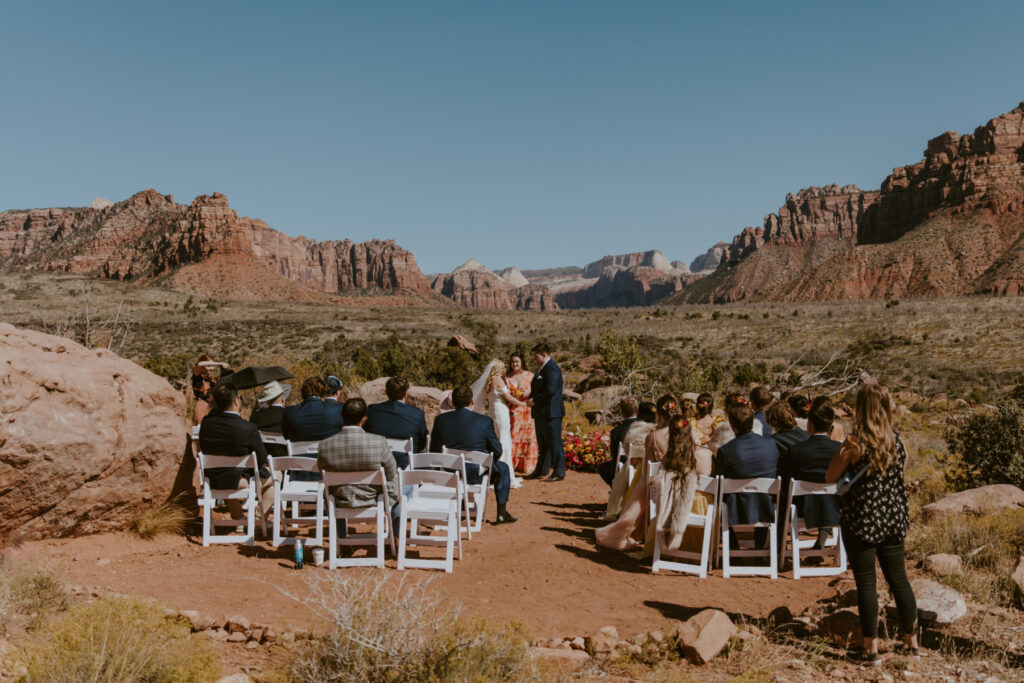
[[251, 518], [795, 538], [725, 551], [206, 522], [773, 534], [402, 524], [453, 530], [381, 532], [319, 521]]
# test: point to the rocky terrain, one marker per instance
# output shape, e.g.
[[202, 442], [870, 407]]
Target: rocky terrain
[[950, 225]]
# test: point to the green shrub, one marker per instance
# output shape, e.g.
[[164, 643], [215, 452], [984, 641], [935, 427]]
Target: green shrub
[[990, 542], [118, 639], [380, 631], [172, 367], [701, 375], [750, 373], [990, 448]]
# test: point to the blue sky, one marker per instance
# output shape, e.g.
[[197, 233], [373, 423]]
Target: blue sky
[[535, 134]]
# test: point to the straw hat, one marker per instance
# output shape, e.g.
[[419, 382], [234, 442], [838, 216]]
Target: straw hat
[[273, 390]]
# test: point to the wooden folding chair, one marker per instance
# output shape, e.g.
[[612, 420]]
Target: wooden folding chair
[[434, 508], [302, 496], [804, 548], [699, 562], [378, 514], [756, 485], [250, 497]]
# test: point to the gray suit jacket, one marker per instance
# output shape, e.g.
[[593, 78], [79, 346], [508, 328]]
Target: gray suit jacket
[[354, 450]]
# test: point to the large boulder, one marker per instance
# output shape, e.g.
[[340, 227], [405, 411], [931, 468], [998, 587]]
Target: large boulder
[[704, 635], [936, 603], [976, 501], [88, 439], [427, 399], [605, 396]]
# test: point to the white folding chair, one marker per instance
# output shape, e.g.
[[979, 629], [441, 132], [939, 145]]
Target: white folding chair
[[274, 438], [698, 562], [449, 462], [803, 548], [755, 485], [378, 514], [250, 498], [302, 448], [303, 496], [434, 508], [476, 494], [402, 445], [651, 470], [620, 458]]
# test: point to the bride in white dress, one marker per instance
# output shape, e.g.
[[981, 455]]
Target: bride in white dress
[[491, 397]]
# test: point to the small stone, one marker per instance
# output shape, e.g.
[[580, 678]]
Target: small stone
[[634, 649], [252, 645], [604, 640], [288, 637], [943, 564], [103, 562], [780, 615], [578, 643], [201, 622], [569, 660], [269, 635], [937, 603], [847, 598], [235, 678], [564, 645], [745, 636], [220, 622], [216, 634], [553, 643], [238, 624], [193, 618], [257, 635], [842, 626], [237, 637], [704, 635]]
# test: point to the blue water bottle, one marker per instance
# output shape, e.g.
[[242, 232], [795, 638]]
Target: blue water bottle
[[298, 553]]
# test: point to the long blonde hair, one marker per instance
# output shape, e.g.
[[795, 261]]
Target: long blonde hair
[[497, 375], [872, 425]]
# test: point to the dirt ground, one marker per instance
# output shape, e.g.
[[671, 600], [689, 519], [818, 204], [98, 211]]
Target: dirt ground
[[544, 570]]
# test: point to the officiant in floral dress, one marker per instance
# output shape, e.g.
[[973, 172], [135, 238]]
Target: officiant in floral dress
[[524, 437]]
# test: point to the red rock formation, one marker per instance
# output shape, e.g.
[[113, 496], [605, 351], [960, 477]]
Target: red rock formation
[[638, 286], [149, 235], [477, 287], [650, 259], [951, 224]]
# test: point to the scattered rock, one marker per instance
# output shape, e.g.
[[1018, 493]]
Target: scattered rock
[[257, 635], [841, 626], [288, 638], [237, 637], [193, 619], [779, 616], [252, 645], [269, 635], [466, 345], [235, 678], [604, 640], [937, 603], [704, 635], [216, 634], [1018, 575], [976, 501], [605, 396], [943, 564], [220, 622], [238, 624], [578, 643], [571, 396], [594, 417], [570, 660]]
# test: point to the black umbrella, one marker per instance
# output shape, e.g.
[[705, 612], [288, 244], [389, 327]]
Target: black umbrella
[[246, 378]]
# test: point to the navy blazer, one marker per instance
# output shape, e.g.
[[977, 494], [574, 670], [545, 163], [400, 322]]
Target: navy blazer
[[546, 392], [311, 420], [785, 440], [749, 455], [397, 420], [465, 430], [808, 461], [224, 433]]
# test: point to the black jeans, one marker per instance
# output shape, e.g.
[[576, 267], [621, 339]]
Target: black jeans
[[894, 567]]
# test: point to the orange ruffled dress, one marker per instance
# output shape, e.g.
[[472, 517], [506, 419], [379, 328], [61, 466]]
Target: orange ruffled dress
[[524, 435]]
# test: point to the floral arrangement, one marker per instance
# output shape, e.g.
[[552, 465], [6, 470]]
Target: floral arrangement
[[584, 452]]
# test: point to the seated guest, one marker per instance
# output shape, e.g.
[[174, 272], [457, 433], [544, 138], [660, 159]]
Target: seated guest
[[395, 419], [748, 456], [336, 393], [607, 469], [707, 421], [224, 432], [635, 438], [677, 492], [783, 424], [801, 407], [311, 420], [760, 399], [723, 433], [355, 450], [837, 433], [269, 416], [466, 430], [808, 461]]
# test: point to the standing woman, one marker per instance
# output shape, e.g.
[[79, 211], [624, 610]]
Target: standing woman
[[202, 386], [874, 516], [524, 435]]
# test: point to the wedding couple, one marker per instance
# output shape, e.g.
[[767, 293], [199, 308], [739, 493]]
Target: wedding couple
[[492, 397]]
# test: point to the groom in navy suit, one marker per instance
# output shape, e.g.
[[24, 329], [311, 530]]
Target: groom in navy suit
[[548, 408]]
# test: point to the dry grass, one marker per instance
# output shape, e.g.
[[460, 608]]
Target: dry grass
[[169, 518], [117, 639], [385, 632], [30, 590]]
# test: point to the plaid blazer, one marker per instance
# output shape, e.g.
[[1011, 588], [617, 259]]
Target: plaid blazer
[[353, 450]]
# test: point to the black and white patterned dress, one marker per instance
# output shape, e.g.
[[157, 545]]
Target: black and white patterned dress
[[875, 507]]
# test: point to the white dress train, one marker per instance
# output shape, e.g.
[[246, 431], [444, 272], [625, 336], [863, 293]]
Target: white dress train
[[498, 411]]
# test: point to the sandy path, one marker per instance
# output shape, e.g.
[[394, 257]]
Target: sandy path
[[544, 571]]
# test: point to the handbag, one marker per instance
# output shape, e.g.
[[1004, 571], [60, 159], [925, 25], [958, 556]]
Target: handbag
[[848, 479]]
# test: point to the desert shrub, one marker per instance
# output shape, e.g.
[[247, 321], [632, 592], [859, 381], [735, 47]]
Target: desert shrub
[[750, 373], [168, 518], [32, 589], [700, 375], [450, 367], [990, 448], [397, 357], [118, 639], [621, 356], [364, 364], [385, 632], [172, 367], [991, 541]]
